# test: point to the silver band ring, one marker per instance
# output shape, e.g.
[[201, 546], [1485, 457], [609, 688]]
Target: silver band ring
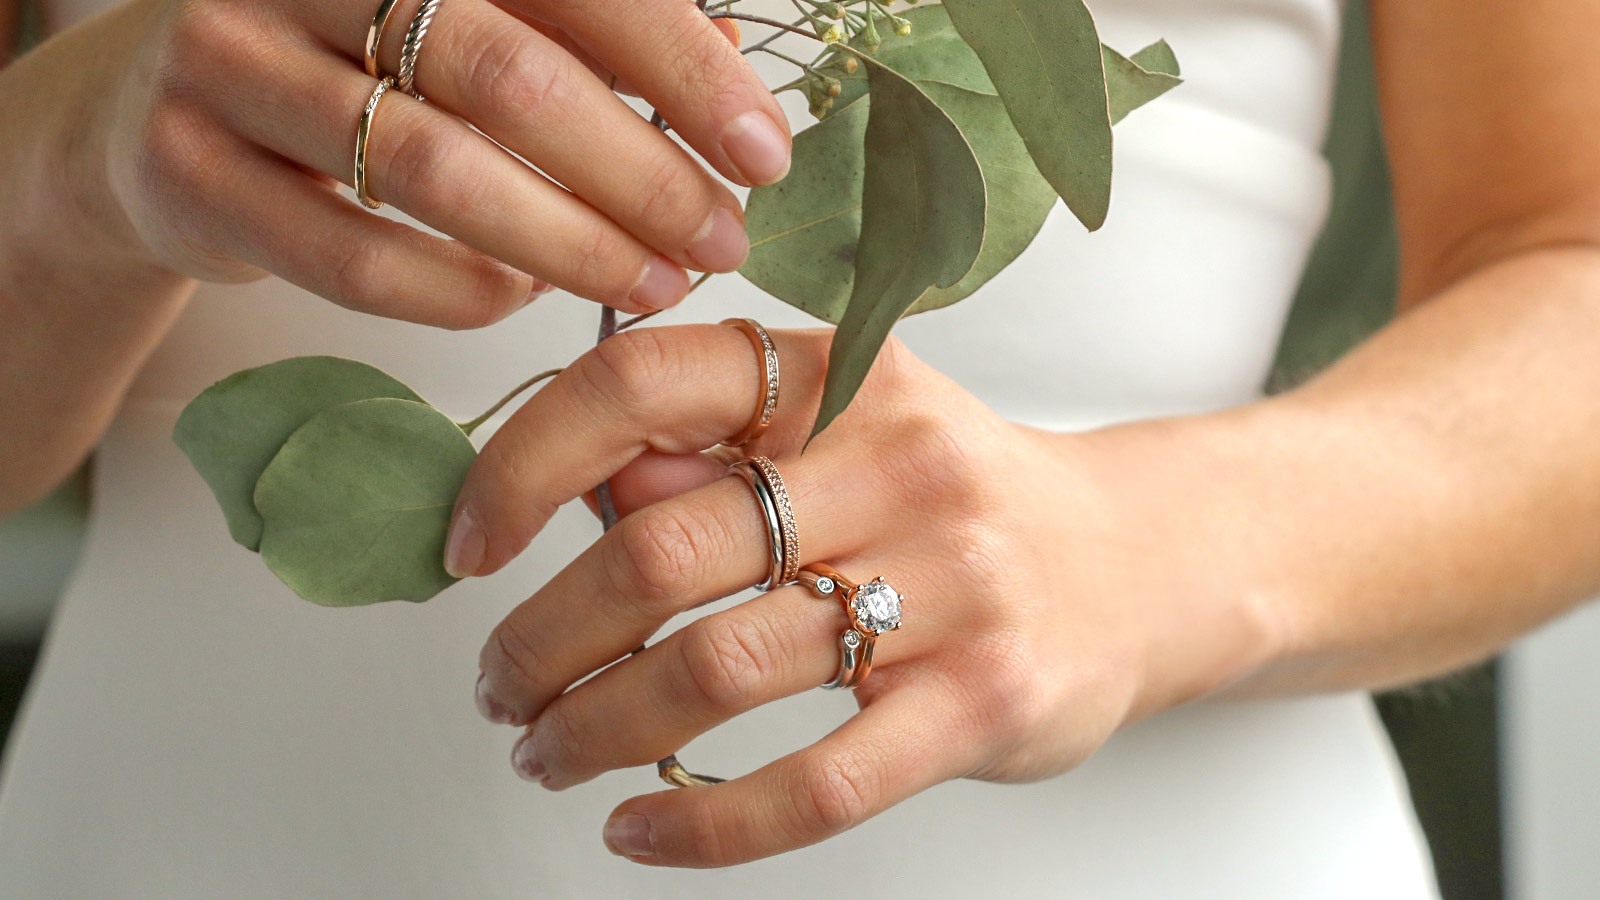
[[873, 608], [783, 538], [380, 20], [363, 134], [413, 46]]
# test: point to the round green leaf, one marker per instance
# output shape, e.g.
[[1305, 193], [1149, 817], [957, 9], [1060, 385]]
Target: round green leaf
[[234, 428], [356, 505]]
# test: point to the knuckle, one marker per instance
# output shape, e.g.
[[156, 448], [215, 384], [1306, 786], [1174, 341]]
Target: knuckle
[[666, 194], [360, 271], [414, 166], [596, 262], [512, 76], [561, 739], [835, 794], [660, 552], [511, 651], [727, 660], [631, 369]]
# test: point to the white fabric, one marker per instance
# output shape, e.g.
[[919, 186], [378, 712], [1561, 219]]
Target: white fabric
[[197, 732]]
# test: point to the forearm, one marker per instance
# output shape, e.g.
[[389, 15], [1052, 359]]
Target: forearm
[[83, 306], [1428, 499]]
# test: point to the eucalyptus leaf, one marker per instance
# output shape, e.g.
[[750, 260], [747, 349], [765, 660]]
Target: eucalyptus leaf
[[1130, 84], [933, 51], [922, 216], [1043, 57], [357, 503], [235, 427]]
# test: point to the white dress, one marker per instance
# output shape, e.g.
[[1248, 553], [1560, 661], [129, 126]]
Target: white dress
[[198, 732]]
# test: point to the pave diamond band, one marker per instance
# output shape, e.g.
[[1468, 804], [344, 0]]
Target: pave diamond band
[[767, 396], [874, 609], [783, 532]]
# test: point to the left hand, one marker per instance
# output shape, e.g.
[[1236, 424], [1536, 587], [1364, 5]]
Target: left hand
[[1054, 592]]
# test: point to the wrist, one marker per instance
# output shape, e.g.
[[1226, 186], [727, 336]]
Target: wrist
[[1192, 545]]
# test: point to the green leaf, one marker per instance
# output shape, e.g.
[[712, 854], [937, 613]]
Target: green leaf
[[234, 428], [357, 504], [1131, 83], [1044, 59], [933, 51], [803, 230], [922, 217]]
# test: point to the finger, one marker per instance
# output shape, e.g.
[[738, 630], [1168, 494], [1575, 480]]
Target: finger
[[653, 703], [435, 167], [527, 93], [728, 27], [684, 66], [654, 477], [273, 216], [658, 562], [905, 741], [673, 390]]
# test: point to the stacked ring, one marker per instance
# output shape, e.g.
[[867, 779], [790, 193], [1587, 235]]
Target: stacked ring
[[873, 609], [767, 397], [380, 20], [413, 46], [363, 134], [783, 533]]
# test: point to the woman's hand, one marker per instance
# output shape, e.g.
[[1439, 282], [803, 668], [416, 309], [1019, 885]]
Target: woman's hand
[[215, 129], [1050, 597]]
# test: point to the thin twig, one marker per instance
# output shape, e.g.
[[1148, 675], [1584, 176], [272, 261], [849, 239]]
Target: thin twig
[[470, 427]]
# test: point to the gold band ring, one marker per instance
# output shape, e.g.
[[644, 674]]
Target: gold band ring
[[873, 609], [767, 399], [380, 20], [363, 133], [413, 46]]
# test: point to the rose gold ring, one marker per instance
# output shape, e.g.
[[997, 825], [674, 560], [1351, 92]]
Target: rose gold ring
[[873, 609], [783, 532], [380, 20], [767, 399]]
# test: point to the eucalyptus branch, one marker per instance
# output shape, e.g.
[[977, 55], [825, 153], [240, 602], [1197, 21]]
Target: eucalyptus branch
[[470, 426]]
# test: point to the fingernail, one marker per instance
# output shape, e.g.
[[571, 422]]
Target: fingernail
[[757, 147], [721, 244], [629, 835], [662, 284], [490, 708], [528, 767], [463, 550], [540, 288]]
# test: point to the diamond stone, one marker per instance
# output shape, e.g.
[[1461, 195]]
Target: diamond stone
[[877, 606], [851, 638], [824, 585]]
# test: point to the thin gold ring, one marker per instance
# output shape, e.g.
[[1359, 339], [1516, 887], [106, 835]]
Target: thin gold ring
[[363, 133], [767, 398], [873, 608], [380, 20]]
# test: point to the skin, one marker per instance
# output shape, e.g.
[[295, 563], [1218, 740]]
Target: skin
[[1426, 500], [165, 142]]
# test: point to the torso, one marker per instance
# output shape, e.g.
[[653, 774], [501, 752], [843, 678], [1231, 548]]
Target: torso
[[198, 732]]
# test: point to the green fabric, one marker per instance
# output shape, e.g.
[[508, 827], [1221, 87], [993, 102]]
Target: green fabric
[[1350, 283]]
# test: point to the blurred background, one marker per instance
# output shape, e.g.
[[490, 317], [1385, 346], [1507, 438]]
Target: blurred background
[[1501, 759]]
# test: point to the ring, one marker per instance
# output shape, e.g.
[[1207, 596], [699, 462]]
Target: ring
[[413, 46], [874, 609], [363, 132], [783, 533], [380, 20], [762, 342]]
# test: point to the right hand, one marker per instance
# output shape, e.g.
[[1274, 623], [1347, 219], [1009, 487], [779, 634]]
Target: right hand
[[225, 135]]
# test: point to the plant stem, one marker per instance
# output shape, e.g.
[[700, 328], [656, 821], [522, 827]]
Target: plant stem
[[602, 491], [470, 427], [763, 20], [764, 42]]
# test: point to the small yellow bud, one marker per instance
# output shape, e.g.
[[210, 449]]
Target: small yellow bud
[[832, 36], [851, 65], [902, 28]]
